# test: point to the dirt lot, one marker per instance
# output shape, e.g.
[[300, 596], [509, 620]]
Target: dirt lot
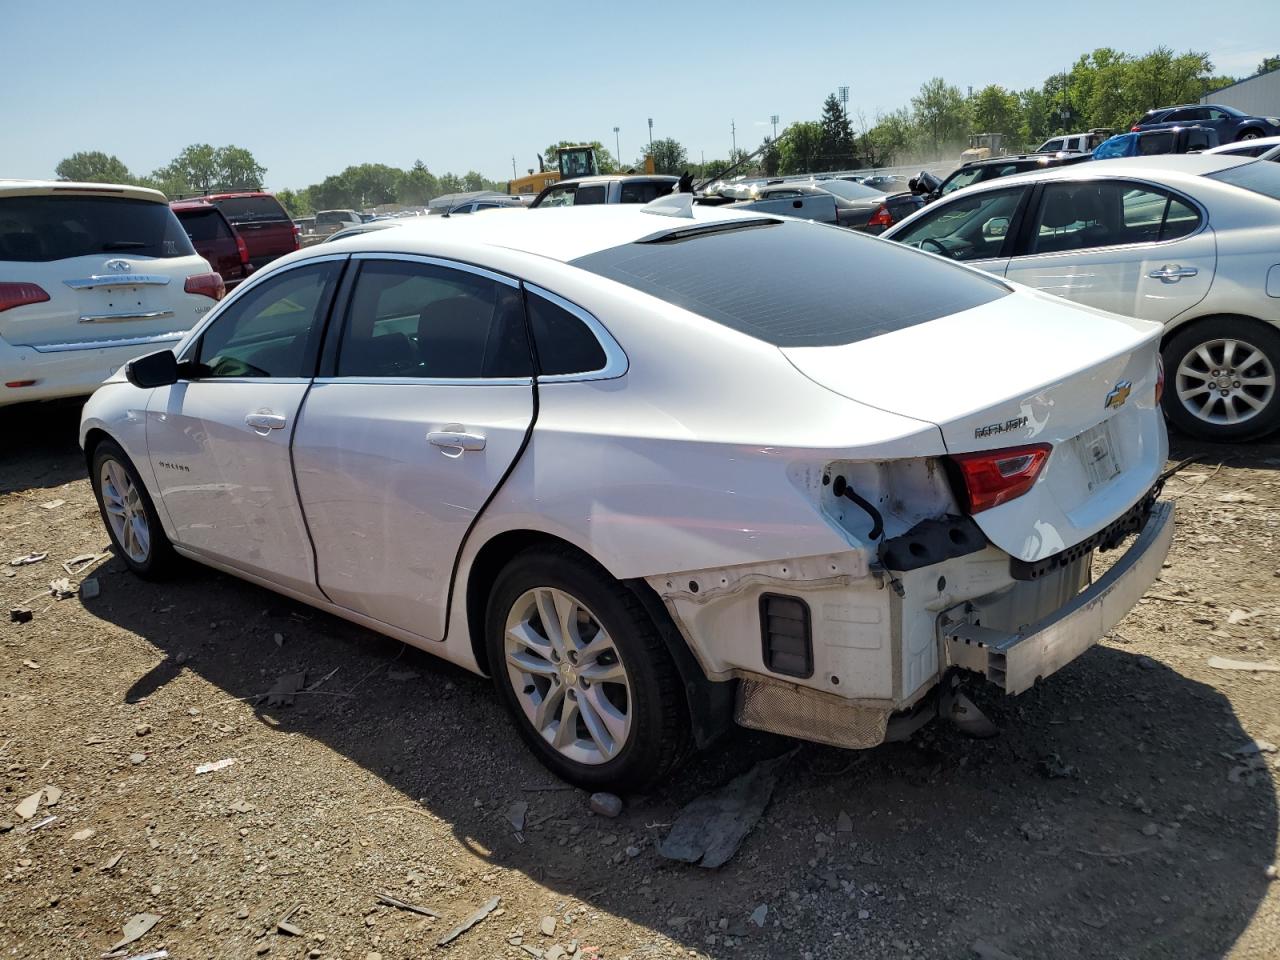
[[1112, 818]]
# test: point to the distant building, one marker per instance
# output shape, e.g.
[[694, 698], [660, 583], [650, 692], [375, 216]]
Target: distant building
[[1257, 96]]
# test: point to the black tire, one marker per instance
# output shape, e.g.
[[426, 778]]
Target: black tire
[[1250, 134], [1183, 346], [160, 560], [659, 736]]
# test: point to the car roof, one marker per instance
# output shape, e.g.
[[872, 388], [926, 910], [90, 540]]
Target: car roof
[[625, 177], [1239, 145], [556, 233], [1176, 166], [242, 194], [193, 204], [48, 188]]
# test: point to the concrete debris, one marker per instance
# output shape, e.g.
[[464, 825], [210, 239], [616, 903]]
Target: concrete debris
[[1271, 873], [968, 719], [1224, 663], [1051, 767], [516, 814], [90, 588], [1150, 830], [547, 927], [710, 829], [52, 504], [135, 928], [20, 615], [286, 689], [26, 809], [283, 925], [556, 952], [485, 909], [84, 834], [31, 664], [606, 804], [215, 765], [52, 795], [137, 758], [77, 565], [61, 588], [390, 901], [1240, 616], [113, 862], [278, 638], [759, 914], [844, 823], [28, 559]]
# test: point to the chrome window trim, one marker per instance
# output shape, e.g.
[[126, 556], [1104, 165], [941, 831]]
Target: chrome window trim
[[1200, 209], [295, 380], [440, 262], [615, 358], [430, 381], [250, 283]]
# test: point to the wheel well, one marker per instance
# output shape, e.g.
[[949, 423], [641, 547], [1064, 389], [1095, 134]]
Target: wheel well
[[1176, 329], [91, 441], [1256, 130], [493, 556]]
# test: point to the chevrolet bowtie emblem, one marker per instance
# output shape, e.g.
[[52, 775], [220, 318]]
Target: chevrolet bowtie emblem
[[1117, 397]]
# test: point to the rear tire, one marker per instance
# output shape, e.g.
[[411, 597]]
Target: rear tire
[[598, 700], [1249, 135], [1222, 379], [129, 515]]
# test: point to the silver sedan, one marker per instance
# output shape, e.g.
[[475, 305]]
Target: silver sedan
[[1192, 242]]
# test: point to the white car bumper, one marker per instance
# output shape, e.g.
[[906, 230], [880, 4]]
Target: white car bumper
[[1014, 661], [68, 369]]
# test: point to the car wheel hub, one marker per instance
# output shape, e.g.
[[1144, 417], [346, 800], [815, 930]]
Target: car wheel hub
[[1225, 381], [567, 675], [122, 502]]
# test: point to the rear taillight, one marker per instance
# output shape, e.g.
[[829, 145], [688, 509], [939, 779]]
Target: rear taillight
[[993, 477], [882, 217], [20, 294], [1159, 380], [297, 237], [1135, 128], [243, 248], [206, 285]]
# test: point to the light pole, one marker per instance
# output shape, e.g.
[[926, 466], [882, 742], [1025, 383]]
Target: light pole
[[774, 120], [733, 130], [651, 136], [617, 145]]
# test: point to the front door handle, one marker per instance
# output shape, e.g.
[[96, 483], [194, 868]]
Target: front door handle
[[265, 422], [456, 441], [1172, 273]]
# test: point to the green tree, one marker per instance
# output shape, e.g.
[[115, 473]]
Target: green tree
[[993, 109], [835, 147], [889, 139], [1161, 78], [237, 169], [771, 160], [1037, 123], [1268, 64], [296, 202], [417, 185], [940, 113], [94, 166], [203, 168], [801, 147], [669, 156], [604, 159]]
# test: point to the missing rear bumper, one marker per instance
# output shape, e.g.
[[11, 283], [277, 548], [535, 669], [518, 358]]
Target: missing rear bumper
[[1016, 660]]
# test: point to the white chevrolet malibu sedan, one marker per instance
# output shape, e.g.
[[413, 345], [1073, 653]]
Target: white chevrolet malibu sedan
[[655, 469]]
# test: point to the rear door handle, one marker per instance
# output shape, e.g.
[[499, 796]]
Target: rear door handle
[[456, 441], [265, 421], [1172, 273]]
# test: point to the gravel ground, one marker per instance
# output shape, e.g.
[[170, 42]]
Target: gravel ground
[[1113, 817]]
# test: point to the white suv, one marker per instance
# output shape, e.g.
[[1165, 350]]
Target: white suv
[[91, 276]]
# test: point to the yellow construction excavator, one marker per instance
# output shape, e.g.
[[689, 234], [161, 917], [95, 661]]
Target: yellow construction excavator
[[574, 161]]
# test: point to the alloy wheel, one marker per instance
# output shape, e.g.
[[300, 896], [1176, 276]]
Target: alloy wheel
[[122, 502], [1225, 381], [567, 675]]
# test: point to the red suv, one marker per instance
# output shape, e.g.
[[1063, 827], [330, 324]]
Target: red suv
[[214, 239], [264, 224]]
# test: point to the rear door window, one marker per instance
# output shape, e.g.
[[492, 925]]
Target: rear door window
[[251, 209], [594, 193], [791, 283], [565, 343], [38, 229], [409, 319], [642, 191], [1081, 216], [205, 225]]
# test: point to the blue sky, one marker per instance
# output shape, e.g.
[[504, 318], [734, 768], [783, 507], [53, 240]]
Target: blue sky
[[313, 87]]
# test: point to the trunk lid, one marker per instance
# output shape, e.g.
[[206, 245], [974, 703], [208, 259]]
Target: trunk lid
[[1023, 369]]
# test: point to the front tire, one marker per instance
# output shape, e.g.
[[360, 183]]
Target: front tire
[[584, 673], [1222, 379], [1248, 135], [128, 513]]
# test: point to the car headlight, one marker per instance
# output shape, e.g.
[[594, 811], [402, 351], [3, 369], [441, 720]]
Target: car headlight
[[1274, 120]]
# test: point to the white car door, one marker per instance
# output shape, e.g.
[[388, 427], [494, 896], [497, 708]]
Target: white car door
[[219, 442], [1128, 247], [421, 408], [973, 228]]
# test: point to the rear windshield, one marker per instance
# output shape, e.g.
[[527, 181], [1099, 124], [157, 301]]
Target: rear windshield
[[1261, 176], [43, 228], [334, 216], [251, 209], [202, 225], [850, 191], [796, 284]]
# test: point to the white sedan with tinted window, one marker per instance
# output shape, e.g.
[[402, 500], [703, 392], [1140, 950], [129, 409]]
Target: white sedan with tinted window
[[657, 469], [1191, 242]]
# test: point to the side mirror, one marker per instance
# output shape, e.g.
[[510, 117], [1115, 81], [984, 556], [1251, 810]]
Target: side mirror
[[154, 370], [995, 227]]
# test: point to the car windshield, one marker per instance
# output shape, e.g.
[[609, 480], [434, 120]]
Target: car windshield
[[1260, 176], [960, 179], [251, 209], [847, 190], [794, 284], [37, 229]]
